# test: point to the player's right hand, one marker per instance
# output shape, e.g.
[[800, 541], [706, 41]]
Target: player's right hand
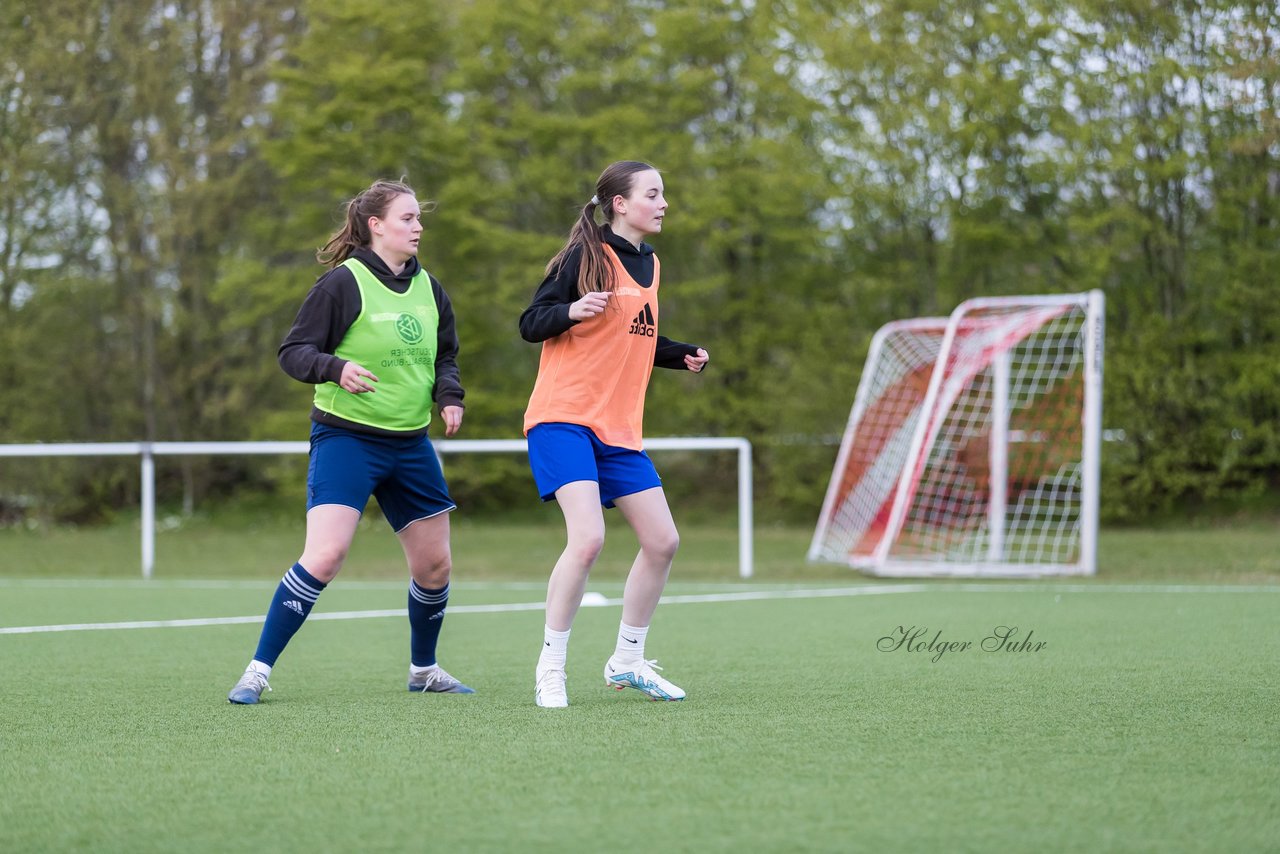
[[589, 306], [353, 378]]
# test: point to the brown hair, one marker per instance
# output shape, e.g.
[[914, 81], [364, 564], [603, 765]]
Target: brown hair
[[595, 273], [354, 233]]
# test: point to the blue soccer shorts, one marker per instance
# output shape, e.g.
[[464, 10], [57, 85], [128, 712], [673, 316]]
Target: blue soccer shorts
[[402, 473], [563, 453]]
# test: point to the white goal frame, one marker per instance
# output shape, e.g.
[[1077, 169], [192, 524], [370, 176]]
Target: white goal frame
[[882, 472], [148, 451]]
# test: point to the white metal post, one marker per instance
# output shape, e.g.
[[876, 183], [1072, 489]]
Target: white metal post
[[746, 555], [148, 511], [745, 519], [998, 458], [860, 399], [916, 451], [1090, 487]]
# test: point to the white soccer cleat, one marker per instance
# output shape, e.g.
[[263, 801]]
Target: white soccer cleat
[[641, 675], [434, 680], [249, 689], [549, 689]]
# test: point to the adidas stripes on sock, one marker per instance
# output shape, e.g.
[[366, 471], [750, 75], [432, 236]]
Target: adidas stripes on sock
[[290, 606], [426, 615]]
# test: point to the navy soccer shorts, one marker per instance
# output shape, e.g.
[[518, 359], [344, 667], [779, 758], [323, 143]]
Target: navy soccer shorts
[[402, 473]]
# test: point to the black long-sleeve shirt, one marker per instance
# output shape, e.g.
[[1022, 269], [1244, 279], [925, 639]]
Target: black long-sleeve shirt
[[333, 304], [548, 314]]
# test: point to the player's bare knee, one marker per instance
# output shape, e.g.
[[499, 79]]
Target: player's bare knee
[[585, 550], [434, 573], [323, 565], [664, 546]]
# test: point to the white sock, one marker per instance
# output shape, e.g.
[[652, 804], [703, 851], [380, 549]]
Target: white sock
[[418, 671], [555, 648], [630, 644], [259, 667]]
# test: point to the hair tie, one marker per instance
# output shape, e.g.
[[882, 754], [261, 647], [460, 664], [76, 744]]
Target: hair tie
[[595, 200]]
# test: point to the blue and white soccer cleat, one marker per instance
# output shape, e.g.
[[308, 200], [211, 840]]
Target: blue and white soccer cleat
[[434, 680], [249, 689], [642, 676]]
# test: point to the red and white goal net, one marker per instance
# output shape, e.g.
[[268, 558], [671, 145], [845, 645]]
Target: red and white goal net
[[972, 447]]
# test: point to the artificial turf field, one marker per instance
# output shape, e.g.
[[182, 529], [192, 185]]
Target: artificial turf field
[[1149, 720]]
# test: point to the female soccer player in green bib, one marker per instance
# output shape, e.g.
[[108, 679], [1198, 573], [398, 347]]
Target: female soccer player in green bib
[[376, 337]]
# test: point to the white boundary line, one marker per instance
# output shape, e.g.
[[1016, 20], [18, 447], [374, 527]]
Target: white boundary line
[[243, 584], [597, 600], [1005, 585], [261, 584]]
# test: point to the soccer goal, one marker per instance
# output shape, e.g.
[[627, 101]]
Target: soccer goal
[[972, 446]]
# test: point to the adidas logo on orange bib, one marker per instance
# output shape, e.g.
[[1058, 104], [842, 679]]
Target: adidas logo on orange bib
[[643, 324]]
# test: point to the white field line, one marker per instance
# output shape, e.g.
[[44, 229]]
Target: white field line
[[271, 584], [597, 600]]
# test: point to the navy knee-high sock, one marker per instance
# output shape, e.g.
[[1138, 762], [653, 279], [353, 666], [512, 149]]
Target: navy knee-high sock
[[290, 606], [426, 614]]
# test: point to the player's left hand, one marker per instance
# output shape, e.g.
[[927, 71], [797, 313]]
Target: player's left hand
[[452, 416], [697, 361]]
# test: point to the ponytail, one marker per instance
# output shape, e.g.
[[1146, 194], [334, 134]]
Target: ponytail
[[354, 233], [595, 273]]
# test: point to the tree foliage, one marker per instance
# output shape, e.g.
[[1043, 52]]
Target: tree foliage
[[167, 170]]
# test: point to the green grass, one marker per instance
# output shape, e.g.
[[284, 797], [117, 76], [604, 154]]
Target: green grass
[[1150, 721], [232, 546]]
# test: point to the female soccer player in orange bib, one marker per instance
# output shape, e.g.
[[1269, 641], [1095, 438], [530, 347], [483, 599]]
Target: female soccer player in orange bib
[[596, 315]]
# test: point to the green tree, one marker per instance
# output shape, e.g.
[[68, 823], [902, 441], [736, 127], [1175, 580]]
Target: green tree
[[145, 119], [1160, 224], [169, 168]]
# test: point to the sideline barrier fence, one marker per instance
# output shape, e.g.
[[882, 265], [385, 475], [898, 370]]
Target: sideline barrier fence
[[148, 451]]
